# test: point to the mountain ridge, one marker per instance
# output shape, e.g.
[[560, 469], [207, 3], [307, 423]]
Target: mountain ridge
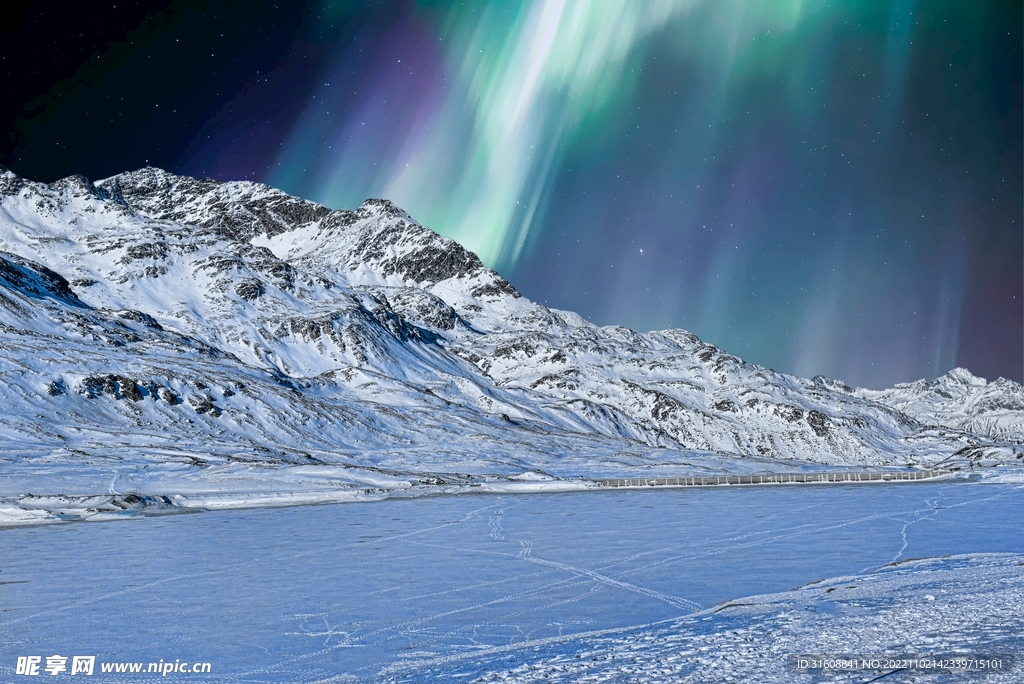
[[395, 348]]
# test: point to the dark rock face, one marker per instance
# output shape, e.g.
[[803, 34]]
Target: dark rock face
[[139, 317], [203, 404], [250, 290], [116, 386], [153, 250], [819, 422], [170, 397], [790, 413], [35, 280], [726, 405], [119, 387], [498, 287]]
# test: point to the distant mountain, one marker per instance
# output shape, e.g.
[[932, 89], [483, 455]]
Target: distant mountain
[[961, 400], [167, 320]]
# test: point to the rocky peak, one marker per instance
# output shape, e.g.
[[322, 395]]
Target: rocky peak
[[959, 377], [10, 182], [240, 210], [76, 185], [383, 207], [830, 384], [378, 235]]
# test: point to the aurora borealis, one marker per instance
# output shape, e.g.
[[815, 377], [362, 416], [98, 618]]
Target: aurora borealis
[[820, 187]]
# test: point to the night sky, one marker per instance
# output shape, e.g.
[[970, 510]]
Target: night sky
[[819, 187]]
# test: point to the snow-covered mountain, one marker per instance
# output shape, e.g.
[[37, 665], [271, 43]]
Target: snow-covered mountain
[[169, 321], [961, 400]]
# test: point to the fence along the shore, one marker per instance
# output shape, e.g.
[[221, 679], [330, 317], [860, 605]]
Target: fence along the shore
[[775, 478]]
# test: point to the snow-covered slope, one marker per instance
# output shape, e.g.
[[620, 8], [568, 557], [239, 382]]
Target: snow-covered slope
[[185, 321], [939, 604]]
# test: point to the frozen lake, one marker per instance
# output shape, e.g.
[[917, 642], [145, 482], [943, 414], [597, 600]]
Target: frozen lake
[[453, 587]]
